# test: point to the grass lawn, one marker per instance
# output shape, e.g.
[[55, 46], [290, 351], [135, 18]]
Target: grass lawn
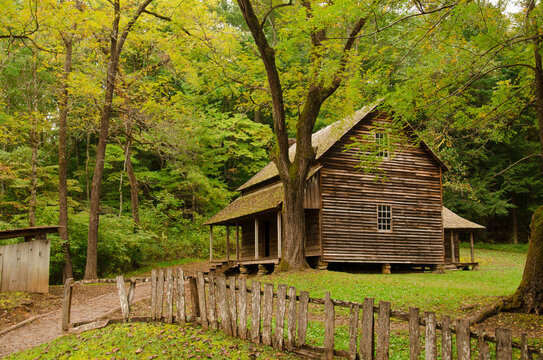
[[150, 341]]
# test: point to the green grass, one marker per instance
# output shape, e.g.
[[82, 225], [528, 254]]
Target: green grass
[[149, 341]]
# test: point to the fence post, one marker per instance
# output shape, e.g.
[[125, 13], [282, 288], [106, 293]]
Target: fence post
[[302, 318], [160, 294], [154, 279], [329, 319], [291, 317], [482, 346], [446, 338], [169, 296], [67, 304], [414, 333], [242, 309], [131, 293], [463, 339], [181, 315], [122, 297], [212, 303], [224, 310], [267, 314], [504, 350], [202, 300], [280, 317], [194, 298], [383, 330], [524, 350], [233, 301], [353, 331], [431, 344], [255, 312], [367, 344]]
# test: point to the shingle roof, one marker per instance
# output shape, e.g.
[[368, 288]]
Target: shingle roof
[[454, 221], [323, 140]]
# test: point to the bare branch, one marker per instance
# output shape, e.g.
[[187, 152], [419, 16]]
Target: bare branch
[[515, 163], [263, 22], [162, 17]]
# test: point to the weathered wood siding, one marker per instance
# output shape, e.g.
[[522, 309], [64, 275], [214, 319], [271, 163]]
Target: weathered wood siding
[[25, 266], [350, 198], [248, 237], [312, 233]]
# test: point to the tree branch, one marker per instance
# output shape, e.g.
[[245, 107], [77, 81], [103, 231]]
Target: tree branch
[[515, 163], [263, 22], [162, 17]]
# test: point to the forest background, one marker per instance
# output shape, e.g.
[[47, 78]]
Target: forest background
[[191, 116]]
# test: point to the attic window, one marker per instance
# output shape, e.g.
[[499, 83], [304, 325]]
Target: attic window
[[381, 140], [384, 217]]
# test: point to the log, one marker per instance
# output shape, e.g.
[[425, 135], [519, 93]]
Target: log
[[122, 297], [414, 333], [367, 344], [302, 318], [463, 339], [67, 304], [504, 349], [431, 339], [291, 318], [267, 314], [212, 303], [280, 316], [383, 331], [169, 296], [329, 325], [242, 330], [224, 309], [255, 312], [154, 278], [353, 332], [202, 301], [181, 314], [233, 301], [160, 293], [446, 338]]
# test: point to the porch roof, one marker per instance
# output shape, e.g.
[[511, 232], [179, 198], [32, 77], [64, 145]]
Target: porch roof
[[454, 221]]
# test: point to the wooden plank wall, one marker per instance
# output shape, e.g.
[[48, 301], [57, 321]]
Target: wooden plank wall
[[312, 233], [25, 266], [350, 198]]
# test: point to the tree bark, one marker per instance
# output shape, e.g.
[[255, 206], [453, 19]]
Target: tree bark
[[67, 270], [116, 44], [133, 184], [34, 143]]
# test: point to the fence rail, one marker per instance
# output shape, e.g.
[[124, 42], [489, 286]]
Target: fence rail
[[279, 317]]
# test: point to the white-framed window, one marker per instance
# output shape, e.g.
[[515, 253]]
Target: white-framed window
[[384, 218], [381, 140]]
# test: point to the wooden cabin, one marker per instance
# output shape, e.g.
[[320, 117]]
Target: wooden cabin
[[455, 227], [392, 216]]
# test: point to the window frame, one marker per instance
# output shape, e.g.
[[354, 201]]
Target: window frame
[[382, 140], [379, 210]]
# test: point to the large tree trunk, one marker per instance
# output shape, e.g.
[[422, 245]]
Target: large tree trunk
[[33, 176], [538, 77], [133, 184], [67, 270]]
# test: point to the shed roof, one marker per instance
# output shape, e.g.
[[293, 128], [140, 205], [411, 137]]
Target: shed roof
[[454, 221]]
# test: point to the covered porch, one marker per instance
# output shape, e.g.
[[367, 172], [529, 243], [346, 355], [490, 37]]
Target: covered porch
[[454, 228]]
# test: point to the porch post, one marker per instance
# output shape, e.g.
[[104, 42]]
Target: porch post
[[452, 247], [279, 234], [210, 243], [227, 243], [237, 242], [471, 246], [256, 238]]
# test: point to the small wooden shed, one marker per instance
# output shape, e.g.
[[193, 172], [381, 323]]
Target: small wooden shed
[[454, 226]]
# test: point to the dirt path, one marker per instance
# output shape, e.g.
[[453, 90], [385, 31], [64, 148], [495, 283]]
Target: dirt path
[[48, 327]]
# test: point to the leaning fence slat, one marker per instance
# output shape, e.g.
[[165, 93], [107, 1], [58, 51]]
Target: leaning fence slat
[[482, 347], [267, 314], [67, 304], [154, 278], [222, 296], [160, 294], [212, 304], [329, 324], [169, 296], [504, 350], [446, 338], [233, 301], [202, 301], [431, 339], [131, 293], [414, 333], [242, 330], [367, 344], [353, 331], [194, 299], [291, 317], [181, 315], [255, 312], [280, 316], [122, 297], [302, 318], [463, 339], [524, 350], [383, 330]]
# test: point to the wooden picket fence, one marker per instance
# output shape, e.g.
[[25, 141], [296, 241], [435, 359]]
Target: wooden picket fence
[[279, 317]]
